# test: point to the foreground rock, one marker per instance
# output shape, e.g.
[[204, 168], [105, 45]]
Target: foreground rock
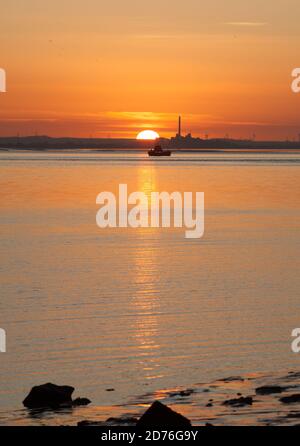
[[239, 402], [112, 421], [52, 396], [232, 379], [182, 393], [291, 399], [269, 390], [81, 402], [160, 415]]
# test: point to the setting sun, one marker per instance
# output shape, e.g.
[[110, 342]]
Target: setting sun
[[147, 134]]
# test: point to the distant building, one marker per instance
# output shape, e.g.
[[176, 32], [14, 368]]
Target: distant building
[[178, 135], [178, 141]]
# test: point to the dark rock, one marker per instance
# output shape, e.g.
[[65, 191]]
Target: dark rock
[[110, 390], [182, 393], [232, 379], [122, 420], [49, 395], [294, 374], [112, 421], [81, 402], [239, 402], [209, 405], [84, 423], [90, 423], [268, 390], [160, 415], [293, 415], [291, 399]]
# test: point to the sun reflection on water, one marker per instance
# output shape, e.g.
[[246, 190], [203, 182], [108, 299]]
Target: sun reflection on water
[[145, 273]]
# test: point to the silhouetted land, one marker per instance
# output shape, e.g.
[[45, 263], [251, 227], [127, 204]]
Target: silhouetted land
[[178, 143]]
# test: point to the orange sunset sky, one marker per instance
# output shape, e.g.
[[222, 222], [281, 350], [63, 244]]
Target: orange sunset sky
[[98, 68]]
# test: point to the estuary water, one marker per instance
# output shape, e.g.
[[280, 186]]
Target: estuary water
[[142, 310]]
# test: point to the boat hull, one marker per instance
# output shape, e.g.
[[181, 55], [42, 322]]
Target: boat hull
[[165, 153]]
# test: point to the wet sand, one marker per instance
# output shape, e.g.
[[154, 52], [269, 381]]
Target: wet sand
[[222, 402], [231, 401]]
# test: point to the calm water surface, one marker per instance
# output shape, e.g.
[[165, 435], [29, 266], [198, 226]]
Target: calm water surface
[[140, 310]]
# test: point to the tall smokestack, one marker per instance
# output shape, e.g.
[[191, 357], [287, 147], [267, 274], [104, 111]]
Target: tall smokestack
[[179, 126]]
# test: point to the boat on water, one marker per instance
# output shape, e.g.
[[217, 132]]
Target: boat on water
[[159, 151]]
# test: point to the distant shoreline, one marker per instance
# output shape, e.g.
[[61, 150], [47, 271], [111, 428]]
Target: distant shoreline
[[100, 150], [180, 144]]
